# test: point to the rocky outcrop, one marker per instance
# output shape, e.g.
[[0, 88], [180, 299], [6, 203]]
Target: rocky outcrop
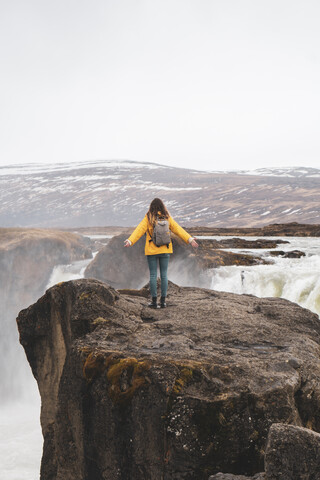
[[291, 254], [127, 267], [118, 266], [185, 392], [27, 257]]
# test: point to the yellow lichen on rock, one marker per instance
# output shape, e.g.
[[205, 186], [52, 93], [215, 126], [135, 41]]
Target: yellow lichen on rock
[[222, 419], [84, 296], [93, 366], [310, 424], [132, 369], [100, 321], [185, 376]]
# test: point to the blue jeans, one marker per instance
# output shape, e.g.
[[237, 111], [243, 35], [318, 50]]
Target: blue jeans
[[163, 263]]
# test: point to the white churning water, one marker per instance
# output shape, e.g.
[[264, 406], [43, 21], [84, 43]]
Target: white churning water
[[296, 279], [64, 273], [20, 441]]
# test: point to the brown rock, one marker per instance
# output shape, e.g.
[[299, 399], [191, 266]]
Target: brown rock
[[118, 266], [292, 453], [218, 258], [291, 254], [27, 257], [180, 393]]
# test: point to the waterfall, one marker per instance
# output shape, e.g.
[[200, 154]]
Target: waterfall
[[63, 273], [20, 432], [296, 279]]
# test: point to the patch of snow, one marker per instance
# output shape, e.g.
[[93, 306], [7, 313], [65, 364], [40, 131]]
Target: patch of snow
[[202, 210], [241, 191], [174, 189], [294, 211]]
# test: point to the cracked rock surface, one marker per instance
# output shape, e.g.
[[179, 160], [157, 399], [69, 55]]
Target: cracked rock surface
[[185, 392]]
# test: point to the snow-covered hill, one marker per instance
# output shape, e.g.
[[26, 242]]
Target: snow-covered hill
[[119, 192]]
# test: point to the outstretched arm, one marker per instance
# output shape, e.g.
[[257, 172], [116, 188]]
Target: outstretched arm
[[185, 236], [137, 233]]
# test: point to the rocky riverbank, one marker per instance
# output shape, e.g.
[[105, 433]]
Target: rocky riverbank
[[181, 393], [292, 229]]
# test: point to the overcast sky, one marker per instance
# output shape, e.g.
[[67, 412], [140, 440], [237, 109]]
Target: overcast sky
[[208, 84]]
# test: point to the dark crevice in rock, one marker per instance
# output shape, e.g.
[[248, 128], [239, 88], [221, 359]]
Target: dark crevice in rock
[[308, 404]]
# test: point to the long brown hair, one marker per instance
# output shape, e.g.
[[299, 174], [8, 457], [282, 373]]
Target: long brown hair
[[157, 208]]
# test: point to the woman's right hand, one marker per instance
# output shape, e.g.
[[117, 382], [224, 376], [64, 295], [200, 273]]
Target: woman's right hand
[[127, 243], [194, 244]]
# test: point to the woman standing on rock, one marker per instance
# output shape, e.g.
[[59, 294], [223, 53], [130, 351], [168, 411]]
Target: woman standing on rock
[[156, 225]]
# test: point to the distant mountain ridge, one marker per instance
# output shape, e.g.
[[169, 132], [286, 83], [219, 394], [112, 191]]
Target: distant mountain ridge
[[100, 193]]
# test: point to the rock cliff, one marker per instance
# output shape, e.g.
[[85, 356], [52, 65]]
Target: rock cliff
[[133, 393], [27, 257]]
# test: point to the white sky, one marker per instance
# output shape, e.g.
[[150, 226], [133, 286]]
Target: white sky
[[206, 84]]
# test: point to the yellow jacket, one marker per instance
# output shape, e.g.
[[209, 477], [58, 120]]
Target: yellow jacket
[[150, 247]]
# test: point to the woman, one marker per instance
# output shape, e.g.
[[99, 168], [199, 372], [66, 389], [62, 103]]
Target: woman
[[158, 211]]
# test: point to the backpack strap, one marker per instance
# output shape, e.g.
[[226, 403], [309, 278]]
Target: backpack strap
[[151, 236]]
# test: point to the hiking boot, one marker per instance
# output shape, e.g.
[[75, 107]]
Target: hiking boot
[[153, 303], [163, 302]]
